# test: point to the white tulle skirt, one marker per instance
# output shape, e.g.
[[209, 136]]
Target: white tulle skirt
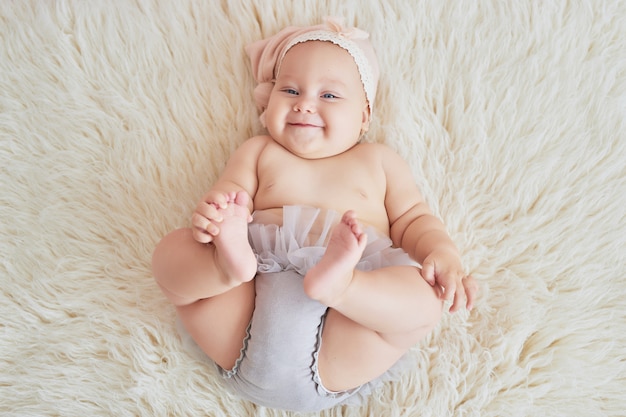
[[300, 240]]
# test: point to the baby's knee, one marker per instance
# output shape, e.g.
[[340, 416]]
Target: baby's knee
[[165, 250], [434, 311], [431, 318], [431, 313]]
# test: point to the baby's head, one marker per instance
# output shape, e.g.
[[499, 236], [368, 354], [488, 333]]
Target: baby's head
[[267, 56]]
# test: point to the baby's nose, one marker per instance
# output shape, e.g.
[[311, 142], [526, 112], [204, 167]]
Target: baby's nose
[[304, 104]]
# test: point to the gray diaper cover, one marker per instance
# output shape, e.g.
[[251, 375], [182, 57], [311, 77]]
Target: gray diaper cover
[[278, 363]]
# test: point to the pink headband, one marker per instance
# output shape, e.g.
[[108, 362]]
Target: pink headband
[[267, 55]]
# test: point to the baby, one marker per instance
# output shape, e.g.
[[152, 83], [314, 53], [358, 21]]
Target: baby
[[313, 264]]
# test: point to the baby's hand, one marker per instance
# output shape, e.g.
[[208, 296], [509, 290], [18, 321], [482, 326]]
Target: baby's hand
[[208, 215], [442, 269]]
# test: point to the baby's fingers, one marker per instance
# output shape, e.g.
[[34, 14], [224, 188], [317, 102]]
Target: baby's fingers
[[209, 211], [428, 273], [471, 291], [464, 294], [199, 229], [200, 222], [219, 200], [201, 236], [457, 298]]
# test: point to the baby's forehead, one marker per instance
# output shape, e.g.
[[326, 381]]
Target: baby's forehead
[[312, 43], [319, 47], [336, 58]]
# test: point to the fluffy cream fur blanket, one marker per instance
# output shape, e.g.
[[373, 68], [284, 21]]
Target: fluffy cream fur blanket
[[116, 116]]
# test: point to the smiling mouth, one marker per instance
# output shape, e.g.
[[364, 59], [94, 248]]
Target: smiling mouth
[[303, 125]]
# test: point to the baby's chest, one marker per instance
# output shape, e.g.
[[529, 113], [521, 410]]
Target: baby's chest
[[311, 183]]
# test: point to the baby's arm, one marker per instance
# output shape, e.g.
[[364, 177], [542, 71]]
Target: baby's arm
[[423, 236], [238, 175]]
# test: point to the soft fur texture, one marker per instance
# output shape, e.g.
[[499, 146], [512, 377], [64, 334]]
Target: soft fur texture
[[116, 116]]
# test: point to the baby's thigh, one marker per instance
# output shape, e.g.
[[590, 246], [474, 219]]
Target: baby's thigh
[[351, 354], [219, 324]]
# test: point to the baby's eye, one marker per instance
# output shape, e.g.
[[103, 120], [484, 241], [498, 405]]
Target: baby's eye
[[329, 95], [290, 91]]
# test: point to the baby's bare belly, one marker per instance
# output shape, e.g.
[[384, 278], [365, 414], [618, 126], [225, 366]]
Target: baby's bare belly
[[269, 216], [275, 216]]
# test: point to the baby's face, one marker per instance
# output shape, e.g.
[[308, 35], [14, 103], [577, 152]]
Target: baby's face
[[318, 107]]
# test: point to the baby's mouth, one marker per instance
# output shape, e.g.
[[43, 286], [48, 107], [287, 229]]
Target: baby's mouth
[[303, 124]]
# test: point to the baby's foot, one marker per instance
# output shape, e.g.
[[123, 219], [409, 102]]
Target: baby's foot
[[327, 281], [233, 252]]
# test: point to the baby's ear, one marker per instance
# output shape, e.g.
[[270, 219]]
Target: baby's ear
[[365, 123]]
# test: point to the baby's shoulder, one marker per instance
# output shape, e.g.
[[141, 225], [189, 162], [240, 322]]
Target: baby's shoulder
[[255, 145], [384, 156], [378, 150], [259, 140]]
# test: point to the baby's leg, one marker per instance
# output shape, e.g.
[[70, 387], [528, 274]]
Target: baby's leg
[[211, 284], [375, 316], [218, 324], [188, 271]]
